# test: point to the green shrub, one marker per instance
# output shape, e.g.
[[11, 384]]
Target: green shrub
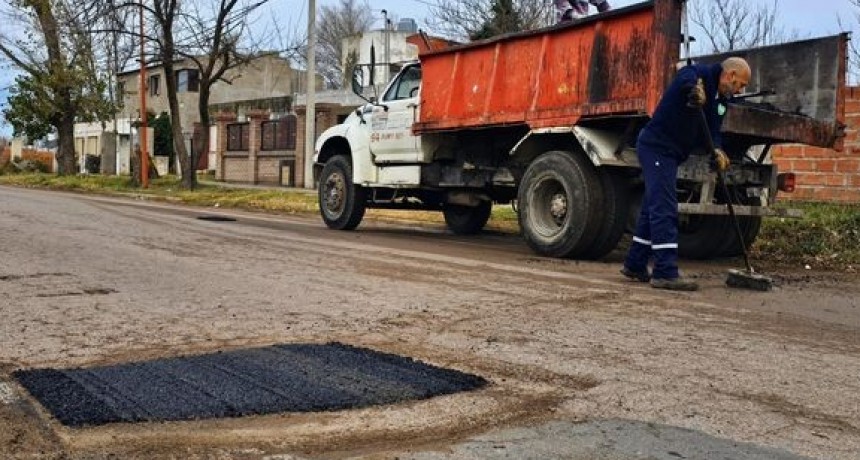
[[93, 164]]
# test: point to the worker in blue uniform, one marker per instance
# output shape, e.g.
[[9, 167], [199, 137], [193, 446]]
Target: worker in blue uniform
[[664, 143]]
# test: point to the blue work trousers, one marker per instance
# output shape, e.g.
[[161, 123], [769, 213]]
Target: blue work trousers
[[657, 228]]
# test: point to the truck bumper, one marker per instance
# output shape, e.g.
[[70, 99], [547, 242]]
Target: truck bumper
[[741, 210]]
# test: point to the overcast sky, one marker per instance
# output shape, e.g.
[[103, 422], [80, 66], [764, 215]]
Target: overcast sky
[[810, 19]]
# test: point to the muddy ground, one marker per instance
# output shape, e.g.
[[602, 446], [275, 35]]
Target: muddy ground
[[86, 281]]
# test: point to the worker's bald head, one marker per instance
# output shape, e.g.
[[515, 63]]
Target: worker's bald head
[[735, 76], [737, 64]]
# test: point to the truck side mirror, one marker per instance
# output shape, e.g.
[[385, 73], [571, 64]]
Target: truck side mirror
[[357, 81]]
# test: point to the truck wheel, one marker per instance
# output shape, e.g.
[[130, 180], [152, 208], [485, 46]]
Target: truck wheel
[[560, 201], [616, 196], [750, 226], [699, 235], [341, 202], [467, 220]]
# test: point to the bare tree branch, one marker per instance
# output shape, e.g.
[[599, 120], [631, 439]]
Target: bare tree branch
[[461, 19], [736, 24], [335, 23], [853, 47], [213, 36]]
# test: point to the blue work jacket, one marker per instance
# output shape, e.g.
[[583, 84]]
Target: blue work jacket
[[675, 128]]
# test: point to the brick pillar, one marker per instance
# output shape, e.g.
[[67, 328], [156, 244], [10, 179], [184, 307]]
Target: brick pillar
[[255, 117], [221, 121]]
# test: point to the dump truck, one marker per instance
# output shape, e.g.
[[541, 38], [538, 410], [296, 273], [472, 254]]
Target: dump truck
[[547, 121]]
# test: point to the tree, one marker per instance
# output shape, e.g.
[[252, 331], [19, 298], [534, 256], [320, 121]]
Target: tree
[[163, 142], [737, 24], [118, 46], [505, 19], [208, 36], [854, 49], [53, 49], [30, 108], [464, 19], [335, 23]]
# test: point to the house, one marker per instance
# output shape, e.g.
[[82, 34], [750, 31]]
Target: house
[[267, 80]]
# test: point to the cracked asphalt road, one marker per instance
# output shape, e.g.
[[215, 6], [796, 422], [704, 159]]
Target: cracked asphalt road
[[582, 364]]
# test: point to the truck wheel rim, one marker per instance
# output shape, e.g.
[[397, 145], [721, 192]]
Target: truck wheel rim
[[335, 193], [550, 205]]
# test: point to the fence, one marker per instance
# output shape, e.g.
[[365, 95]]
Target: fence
[[43, 157]]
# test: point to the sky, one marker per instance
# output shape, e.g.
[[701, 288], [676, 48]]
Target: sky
[[809, 19]]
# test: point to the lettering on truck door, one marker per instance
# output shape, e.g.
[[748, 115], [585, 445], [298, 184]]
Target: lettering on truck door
[[391, 138]]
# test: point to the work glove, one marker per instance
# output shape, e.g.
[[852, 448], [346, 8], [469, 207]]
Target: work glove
[[721, 160], [696, 96]]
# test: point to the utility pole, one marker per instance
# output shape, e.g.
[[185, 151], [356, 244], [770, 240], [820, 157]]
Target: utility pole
[[144, 155], [386, 69], [310, 100]]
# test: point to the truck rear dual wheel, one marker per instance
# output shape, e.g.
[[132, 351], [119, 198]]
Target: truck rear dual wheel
[[560, 199], [750, 227], [714, 236], [613, 218], [467, 220], [341, 202]]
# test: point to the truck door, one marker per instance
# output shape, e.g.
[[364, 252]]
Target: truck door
[[391, 138]]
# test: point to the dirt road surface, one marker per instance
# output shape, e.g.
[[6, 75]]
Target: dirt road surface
[[567, 346]]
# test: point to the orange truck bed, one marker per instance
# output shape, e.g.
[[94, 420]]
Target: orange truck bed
[[615, 63]]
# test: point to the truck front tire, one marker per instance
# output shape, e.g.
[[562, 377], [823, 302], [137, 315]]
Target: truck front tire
[[560, 199], [467, 220], [341, 202]]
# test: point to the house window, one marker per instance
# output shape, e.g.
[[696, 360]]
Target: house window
[[187, 80], [120, 89], [154, 89], [279, 134], [237, 137]]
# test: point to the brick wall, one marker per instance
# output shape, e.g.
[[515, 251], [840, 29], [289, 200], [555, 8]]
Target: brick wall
[[251, 166], [268, 170], [823, 174], [44, 157], [236, 168], [40, 156], [326, 117]]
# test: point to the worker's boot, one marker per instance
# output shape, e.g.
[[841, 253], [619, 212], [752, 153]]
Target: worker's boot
[[674, 284], [642, 276]]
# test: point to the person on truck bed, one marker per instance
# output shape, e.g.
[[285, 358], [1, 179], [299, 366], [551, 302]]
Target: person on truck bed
[[568, 10], [664, 143]]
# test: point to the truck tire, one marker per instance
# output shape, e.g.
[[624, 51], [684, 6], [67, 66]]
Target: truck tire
[[560, 200], [467, 220], [750, 227], [616, 197], [341, 202], [699, 236]]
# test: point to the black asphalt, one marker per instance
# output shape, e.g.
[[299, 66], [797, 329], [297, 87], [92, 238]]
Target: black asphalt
[[279, 378]]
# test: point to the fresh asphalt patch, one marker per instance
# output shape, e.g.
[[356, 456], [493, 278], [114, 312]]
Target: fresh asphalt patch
[[278, 378]]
